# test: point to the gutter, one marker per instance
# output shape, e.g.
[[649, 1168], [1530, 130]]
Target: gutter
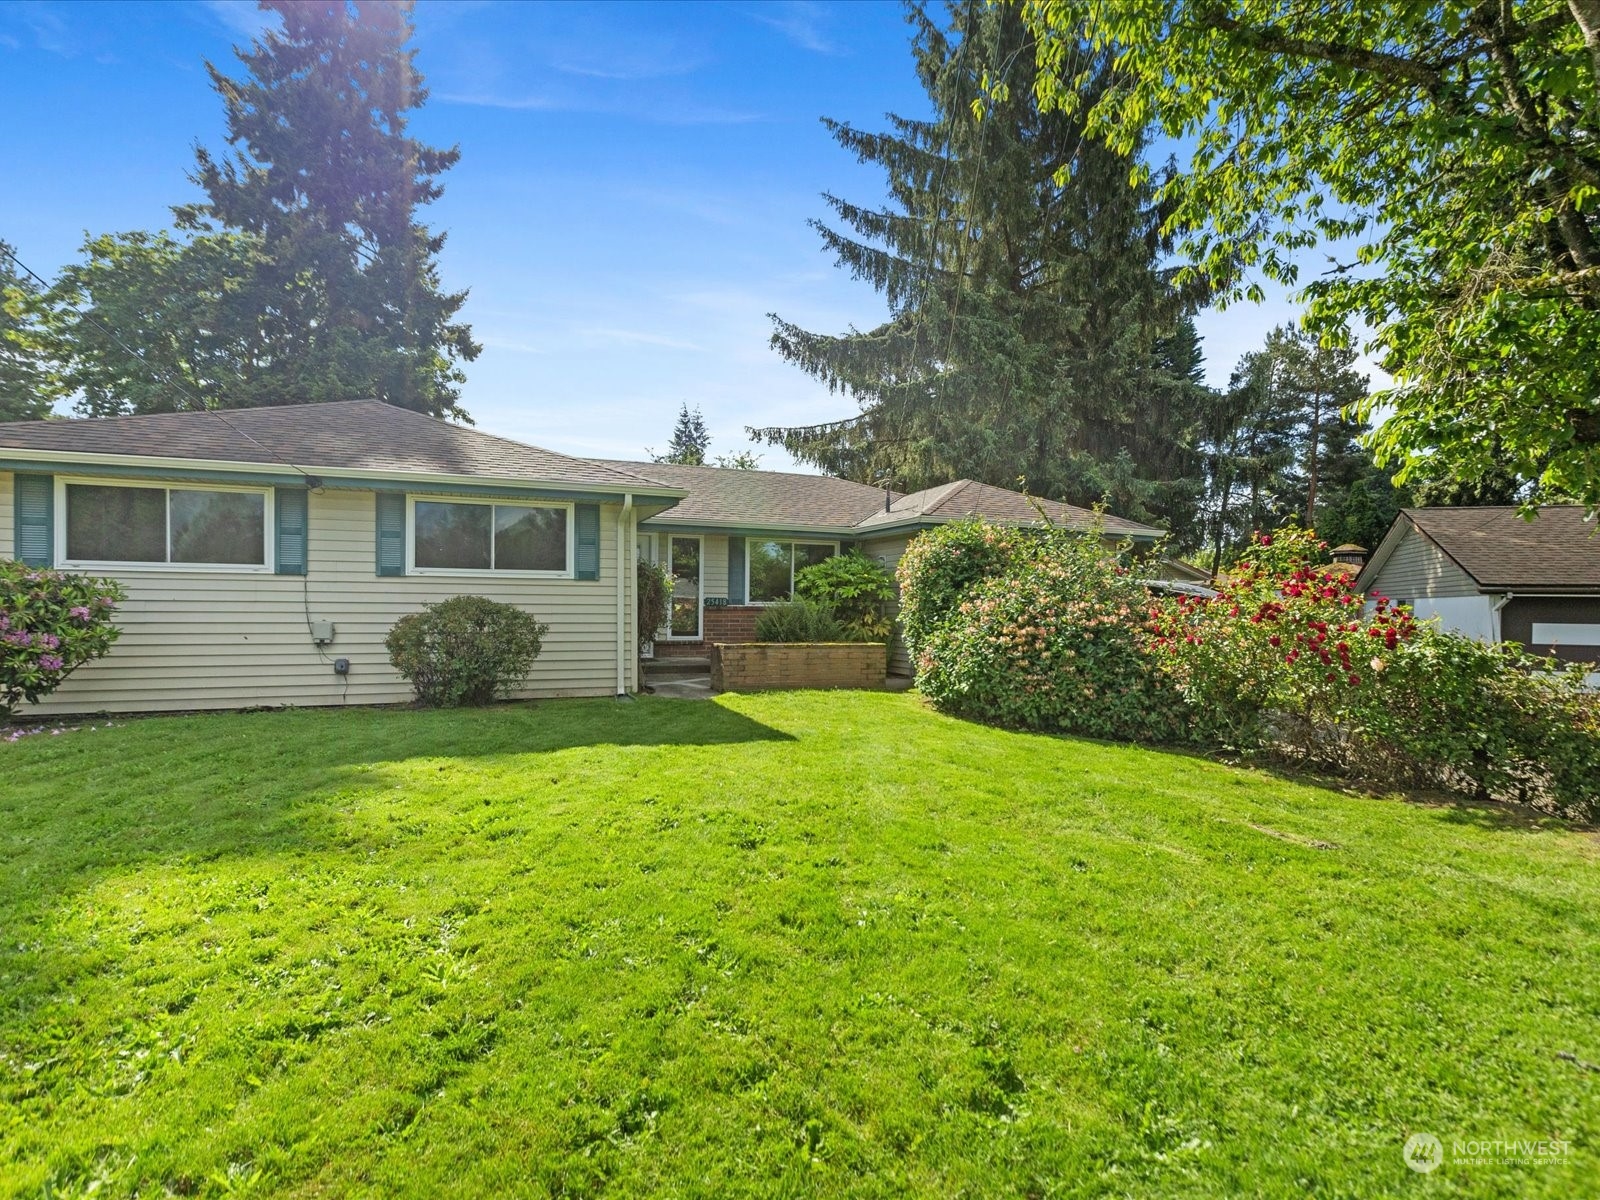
[[20, 458], [622, 594]]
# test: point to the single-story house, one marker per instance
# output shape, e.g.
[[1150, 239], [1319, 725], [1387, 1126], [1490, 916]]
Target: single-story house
[[737, 538], [267, 552], [1488, 573]]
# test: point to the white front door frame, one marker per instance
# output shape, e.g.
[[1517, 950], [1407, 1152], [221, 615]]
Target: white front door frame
[[699, 587]]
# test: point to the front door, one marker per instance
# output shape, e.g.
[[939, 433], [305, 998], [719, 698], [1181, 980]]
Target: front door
[[684, 566]]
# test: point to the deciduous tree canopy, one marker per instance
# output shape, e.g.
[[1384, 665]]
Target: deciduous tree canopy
[[1456, 145]]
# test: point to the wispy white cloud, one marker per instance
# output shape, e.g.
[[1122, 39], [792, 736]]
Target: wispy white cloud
[[241, 17], [639, 59], [669, 112], [801, 21], [635, 337], [511, 345], [43, 25]]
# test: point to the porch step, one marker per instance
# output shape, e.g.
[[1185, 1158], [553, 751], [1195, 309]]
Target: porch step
[[658, 668]]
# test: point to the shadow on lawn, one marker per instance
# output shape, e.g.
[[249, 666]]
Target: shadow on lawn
[[233, 785]]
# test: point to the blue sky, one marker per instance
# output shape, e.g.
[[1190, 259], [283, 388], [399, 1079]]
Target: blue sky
[[631, 200]]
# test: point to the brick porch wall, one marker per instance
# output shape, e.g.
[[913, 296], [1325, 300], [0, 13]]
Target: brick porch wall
[[757, 666], [723, 623]]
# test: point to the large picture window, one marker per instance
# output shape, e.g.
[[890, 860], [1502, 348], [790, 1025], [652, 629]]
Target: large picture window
[[454, 535], [771, 567], [176, 526]]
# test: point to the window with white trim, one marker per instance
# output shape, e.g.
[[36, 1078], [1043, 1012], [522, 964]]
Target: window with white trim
[[770, 567], [469, 535], [165, 526]]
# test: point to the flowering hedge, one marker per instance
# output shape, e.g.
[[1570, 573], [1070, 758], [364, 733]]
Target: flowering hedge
[[1040, 631], [1047, 630], [1289, 660], [51, 622]]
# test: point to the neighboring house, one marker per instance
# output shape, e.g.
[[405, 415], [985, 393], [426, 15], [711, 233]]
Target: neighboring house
[[263, 549], [1488, 573]]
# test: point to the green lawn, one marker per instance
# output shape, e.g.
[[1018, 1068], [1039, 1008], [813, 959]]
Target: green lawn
[[800, 944]]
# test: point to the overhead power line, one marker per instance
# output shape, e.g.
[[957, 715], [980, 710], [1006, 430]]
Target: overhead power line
[[161, 376]]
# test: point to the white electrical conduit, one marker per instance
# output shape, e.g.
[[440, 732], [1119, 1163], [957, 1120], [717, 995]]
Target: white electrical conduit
[[622, 593]]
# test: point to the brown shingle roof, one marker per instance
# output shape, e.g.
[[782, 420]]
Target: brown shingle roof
[[760, 499], [968, 498], [1557, 551], [362, 435]]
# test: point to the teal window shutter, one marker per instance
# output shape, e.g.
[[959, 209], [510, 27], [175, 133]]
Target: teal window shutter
[[391, 533], [289, 506], [587, 519], [736, 570], [34, 517]]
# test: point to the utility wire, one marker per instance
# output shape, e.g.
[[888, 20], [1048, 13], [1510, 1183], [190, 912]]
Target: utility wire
[[160, 375], [312, 481]]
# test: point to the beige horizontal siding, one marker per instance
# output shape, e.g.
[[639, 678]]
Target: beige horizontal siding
[[229, 640], [1419, 568], [887, 552], [7, 516], [714, 557]]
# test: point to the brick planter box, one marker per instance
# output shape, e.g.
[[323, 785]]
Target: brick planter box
[[762, 666]]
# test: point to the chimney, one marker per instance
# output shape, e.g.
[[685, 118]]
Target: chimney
[[1351, 554]]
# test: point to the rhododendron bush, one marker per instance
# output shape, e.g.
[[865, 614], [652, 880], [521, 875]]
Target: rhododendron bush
[[1289, 659], [50, 623], [1284, 652], [1036, 629]]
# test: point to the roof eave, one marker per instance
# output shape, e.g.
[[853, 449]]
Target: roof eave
[[10, 456], [921, 521]]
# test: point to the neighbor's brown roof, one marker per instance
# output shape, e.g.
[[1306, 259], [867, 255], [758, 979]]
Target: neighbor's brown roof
[[967, 498], [363, 435], [1499, 549], [760, 499]]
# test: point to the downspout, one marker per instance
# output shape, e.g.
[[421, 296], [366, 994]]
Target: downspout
[[1494, 614], [622, 594]]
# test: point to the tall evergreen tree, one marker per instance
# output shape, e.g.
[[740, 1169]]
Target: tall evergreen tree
[[27, 382], [1032, 334], [690, 440], [1283, 445], [343, 298]]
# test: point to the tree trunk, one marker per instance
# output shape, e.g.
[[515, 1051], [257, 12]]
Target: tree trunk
[[1314, 456], [1587, 14]]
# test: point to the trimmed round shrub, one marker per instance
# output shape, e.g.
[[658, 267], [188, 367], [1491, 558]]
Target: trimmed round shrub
[[800, 621], [51, 622], [467, 650], [856, 589]]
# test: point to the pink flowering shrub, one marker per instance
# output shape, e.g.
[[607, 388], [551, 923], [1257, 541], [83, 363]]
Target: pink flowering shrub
[[1041, 630], [941, 565], [51, 623]]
